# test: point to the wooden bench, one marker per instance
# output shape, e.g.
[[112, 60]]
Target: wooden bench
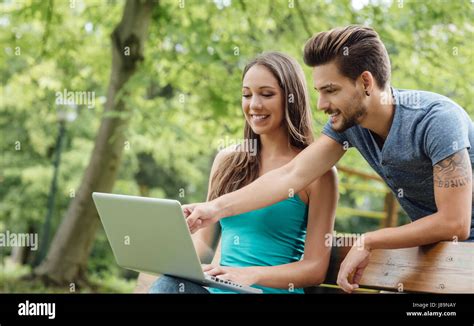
[[445, 267]]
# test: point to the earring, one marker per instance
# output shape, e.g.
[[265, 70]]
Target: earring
[[367, 93]]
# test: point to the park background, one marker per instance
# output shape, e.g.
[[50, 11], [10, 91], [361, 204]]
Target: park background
[[160, 111]]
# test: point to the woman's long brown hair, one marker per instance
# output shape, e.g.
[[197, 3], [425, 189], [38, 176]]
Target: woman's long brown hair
[[241, 167]]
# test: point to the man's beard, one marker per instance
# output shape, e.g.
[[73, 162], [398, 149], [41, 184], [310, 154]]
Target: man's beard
[[356, 112]]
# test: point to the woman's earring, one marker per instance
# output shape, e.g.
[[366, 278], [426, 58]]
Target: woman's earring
[[367, 93]]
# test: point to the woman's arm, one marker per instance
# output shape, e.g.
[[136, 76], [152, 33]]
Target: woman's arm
[[311, 270], [217, 257], [205, 239], [204, 242]]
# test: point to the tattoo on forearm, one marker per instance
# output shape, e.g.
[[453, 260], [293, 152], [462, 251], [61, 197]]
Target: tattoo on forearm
[[454, 171]]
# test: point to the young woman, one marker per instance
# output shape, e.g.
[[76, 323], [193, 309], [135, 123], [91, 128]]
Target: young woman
[[279, 248]]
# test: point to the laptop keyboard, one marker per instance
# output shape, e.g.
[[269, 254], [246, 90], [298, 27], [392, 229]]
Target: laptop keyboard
[[220, 280]]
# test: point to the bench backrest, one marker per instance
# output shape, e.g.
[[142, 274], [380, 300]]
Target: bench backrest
[[445, 267]]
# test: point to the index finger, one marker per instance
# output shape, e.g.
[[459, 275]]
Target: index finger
[[192, 218], [357, 276], [187, 209], [196, 226]]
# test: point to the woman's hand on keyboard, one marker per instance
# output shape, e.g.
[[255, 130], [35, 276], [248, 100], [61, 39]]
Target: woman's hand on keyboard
[[241, 275]]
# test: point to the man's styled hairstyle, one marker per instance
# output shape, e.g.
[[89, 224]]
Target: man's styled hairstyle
[[354, 49]]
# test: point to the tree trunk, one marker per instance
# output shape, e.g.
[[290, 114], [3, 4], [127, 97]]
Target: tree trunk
[[66, 261]]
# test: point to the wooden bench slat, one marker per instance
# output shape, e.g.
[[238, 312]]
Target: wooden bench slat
[[446, 267]]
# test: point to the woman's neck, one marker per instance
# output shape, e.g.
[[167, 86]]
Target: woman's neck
[[275, 144]]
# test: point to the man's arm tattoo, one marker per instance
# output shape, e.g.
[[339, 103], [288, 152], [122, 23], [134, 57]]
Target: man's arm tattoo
[[454, 171]]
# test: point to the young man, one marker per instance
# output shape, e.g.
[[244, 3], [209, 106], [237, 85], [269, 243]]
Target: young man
[[418, 142]]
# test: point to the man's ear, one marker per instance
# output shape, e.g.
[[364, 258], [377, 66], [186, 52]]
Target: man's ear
[[367, 82]]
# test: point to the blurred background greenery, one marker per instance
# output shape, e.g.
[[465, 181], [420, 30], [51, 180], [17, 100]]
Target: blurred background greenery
[[184, 99]]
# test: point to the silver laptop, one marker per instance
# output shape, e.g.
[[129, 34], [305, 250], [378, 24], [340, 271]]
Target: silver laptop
[[151, 235]]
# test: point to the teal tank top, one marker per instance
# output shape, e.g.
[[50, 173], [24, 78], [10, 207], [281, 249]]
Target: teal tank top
[[270, 236]]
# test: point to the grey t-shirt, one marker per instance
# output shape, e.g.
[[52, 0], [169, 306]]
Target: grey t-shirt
[[426, 129]]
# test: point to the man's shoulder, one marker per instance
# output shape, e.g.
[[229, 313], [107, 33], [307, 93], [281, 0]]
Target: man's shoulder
[[423, 107], [423, 101]]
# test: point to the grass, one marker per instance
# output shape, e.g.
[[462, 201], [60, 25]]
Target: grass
[[14, 279]]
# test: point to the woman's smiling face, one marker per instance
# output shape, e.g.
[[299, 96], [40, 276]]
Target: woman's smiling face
[[262, 100]]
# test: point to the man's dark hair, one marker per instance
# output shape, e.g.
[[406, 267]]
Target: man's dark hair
[[354, 49]]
